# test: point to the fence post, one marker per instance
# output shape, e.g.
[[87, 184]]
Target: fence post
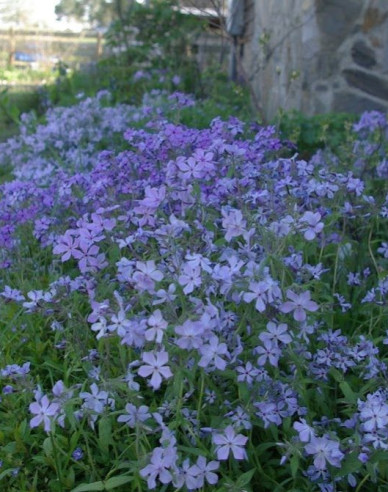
[[99, 46], [11, 47]]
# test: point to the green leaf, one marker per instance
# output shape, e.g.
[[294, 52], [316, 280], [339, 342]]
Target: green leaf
[[294, 464], [105, 434], [245, 478], [379, 456], [349, 394], [194, 451], [350, 464], [70, 478], [74, 440], [89, 487], [48, 446], [7, 472], [114, 482], [338, 376], [262, 448], [245, 393]]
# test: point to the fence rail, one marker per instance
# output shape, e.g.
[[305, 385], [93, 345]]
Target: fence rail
[[70, 47], [80, 49]]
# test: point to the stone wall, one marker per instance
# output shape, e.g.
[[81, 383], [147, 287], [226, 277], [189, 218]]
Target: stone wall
[[318, 55]]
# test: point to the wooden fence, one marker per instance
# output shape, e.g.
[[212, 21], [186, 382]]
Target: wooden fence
[[48, 46], [81, 49]]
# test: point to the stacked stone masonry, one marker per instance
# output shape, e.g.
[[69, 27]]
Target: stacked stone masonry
[[318, 56]]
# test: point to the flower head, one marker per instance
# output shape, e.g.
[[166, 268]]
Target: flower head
[[228, 442], [299, 304], [44, 412], [155, 366]]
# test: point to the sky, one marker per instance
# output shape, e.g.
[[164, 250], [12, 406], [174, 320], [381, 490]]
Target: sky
[[43, 12]]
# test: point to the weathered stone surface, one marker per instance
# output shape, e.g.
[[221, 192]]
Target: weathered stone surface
[[321, 87], [336, 19], [324, 41], [367, 82], [354, 103], [363, 55], [373, 17]]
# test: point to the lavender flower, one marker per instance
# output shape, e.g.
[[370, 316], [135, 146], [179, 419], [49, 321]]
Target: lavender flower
[[324, 451], [234, 223], [306, 433], [228, 442], [44, 411], [257, 293], [158, 468], [205, 471], [134, 415], [383, 250], [299, 304], [212, 352], [157, 327], [155, 366], [314, 226], [78, 454], [276, 333]]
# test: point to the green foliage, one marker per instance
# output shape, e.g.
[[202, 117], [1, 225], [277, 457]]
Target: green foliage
[[100, 12], [155, 40], [26, 76], [220, 98], [311, 133], [216, 96], [11, 110], [157, 33], [157, 36], [12, 104]]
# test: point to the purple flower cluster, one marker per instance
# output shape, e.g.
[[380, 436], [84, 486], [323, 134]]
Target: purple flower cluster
[[200, 275]]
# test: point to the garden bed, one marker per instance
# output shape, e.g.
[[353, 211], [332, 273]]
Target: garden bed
[[191, 309]]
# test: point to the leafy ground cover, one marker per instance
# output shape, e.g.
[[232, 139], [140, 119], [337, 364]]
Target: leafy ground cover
[[191, 308]]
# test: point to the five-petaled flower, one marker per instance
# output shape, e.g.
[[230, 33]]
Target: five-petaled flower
[[324, 450], [299, 304], [44, 412], [158, 468], [228, 442], [155, 367], [313, 224]]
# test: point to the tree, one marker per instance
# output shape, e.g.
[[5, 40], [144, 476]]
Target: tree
[[16, 12], [96, 12]]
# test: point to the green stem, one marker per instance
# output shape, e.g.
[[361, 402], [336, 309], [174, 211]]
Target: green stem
[[371, 253], [362, 482], [335, 270], [90, 457], [56, 461], [201, 390]]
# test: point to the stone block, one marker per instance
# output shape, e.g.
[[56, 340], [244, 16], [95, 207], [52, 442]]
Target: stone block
[[349, 102], [363, 55], [367, 82], [336, 19]]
